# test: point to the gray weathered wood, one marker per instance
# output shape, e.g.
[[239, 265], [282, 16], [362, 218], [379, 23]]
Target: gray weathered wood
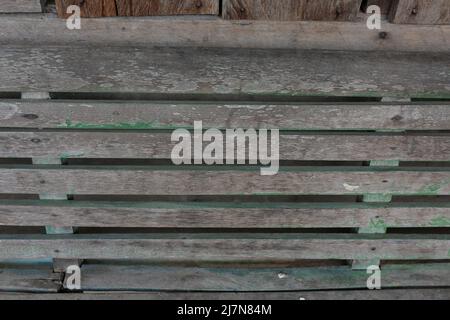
[[421, 11], [29, 280], [226, 247], [397, 294], [225, 71], [195, 32], [150, 278], [291, 9], [222, 215], [159, 146], [19, 6], [221, 181], [172, 115]]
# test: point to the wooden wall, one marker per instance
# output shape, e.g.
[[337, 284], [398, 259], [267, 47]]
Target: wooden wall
[[291, 9], [99, 8], [421, 11]]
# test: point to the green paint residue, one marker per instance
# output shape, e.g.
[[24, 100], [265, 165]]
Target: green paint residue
[[440, 222], [115, 126], [376, 225], [66, 155]]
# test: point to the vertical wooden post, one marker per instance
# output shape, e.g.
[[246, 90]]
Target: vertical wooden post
[[377, 227], [59, 265]]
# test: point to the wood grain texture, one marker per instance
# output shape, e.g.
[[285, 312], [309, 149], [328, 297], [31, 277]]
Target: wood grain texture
[[20, 6], [326, 147], [172, 115], [166, 7], [222, 181], [147, 278], [45, 30], [396, 294], [421, 12], [29, 280], [89, 8], [225, 71], [226, 247], [342, 10], [222, 215]]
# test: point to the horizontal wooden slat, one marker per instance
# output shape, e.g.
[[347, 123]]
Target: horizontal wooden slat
[[226, 247], [29, 280], [397, 294], [193, 32], [225, 71], [18, 6], [148, 278], [222, 215], [291, 9], [421, 11], [160, 146], [222, 181], [171, 115]]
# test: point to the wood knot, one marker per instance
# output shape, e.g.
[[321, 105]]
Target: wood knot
[[198, 4], [36, 140], [383, 35], [397, 118], [30, 116]]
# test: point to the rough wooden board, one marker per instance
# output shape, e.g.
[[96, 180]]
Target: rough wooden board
[[342, 10], [214, 32], [152, 278], [226, 247], [172, 115], [421, 12], [19, 6], [225, 71], [398, 294], [221, 215], [385, 5], [166, 7], [29, 280], [326, 147], [220, 181], [89, 8]]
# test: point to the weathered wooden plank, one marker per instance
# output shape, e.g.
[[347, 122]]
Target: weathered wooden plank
[[119, 31], [222, 215], [150, 278], [226, 247], [223, 181], [421, 12], [225, 71], [89, 8], [166, 7], [20, 6], [342, 10], [151, 115], [159, 146], [29, 280], [396, 294]]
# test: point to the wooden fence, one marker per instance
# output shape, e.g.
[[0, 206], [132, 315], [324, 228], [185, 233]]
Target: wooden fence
[[85, 174]]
